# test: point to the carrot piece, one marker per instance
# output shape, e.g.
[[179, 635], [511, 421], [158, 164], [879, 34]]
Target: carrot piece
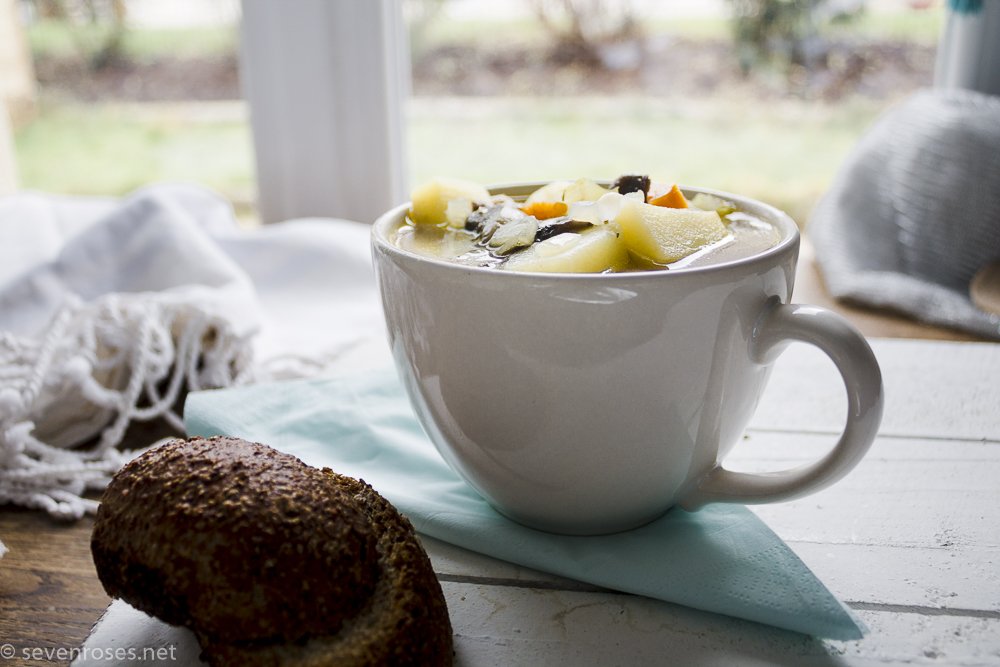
[[543, 210], [672, 199]]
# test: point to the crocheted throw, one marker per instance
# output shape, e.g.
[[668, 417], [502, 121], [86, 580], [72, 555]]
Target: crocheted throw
[[110, 310], [68, 397]]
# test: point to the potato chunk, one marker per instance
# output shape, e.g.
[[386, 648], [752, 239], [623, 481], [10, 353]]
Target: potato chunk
[[592, 251], [665, 235], [551, 192], [583, 189], [437, 201]]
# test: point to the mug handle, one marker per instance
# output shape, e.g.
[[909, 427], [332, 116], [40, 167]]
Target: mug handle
[[779, 325]]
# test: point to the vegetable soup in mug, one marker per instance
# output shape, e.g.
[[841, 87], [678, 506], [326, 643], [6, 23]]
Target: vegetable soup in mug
[[580, 227]]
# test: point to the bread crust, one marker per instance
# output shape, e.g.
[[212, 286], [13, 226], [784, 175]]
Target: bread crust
[[267, 560]]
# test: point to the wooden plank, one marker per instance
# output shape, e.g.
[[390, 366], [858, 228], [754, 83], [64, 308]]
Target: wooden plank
[[873, 519], [959, 579], [50, 596], [917, 523], [933, 390], [453, 563], [764, 449], [497, 625], [922, 580]]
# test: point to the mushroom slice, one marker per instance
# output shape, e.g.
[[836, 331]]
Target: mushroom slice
[[513, 235], [549, 228]]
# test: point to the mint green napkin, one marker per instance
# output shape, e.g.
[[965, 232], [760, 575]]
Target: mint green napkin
[[722, 559]]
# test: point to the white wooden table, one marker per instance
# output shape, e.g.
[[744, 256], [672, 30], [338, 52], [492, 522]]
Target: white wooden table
[[910, 539]]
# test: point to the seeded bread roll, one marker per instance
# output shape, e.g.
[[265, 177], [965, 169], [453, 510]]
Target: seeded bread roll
[[267, 560]]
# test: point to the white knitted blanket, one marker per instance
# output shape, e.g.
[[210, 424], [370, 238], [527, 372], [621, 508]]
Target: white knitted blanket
[[111, 310]]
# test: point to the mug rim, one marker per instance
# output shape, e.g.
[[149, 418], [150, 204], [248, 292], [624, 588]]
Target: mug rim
[[771, 214]]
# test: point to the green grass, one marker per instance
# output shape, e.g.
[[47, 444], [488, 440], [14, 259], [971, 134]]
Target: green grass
[[60, 39], [920, 26], [786, 153], [50, 38], [113, 149]]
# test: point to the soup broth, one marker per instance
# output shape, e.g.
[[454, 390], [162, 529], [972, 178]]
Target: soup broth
[[583, 227]]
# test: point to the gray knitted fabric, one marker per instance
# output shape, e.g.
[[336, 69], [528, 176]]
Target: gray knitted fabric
[[915, 211]]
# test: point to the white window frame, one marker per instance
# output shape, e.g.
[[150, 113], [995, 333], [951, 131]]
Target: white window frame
[[326, 82]]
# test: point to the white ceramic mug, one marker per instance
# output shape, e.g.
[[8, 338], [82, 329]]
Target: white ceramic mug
[[592, 403]]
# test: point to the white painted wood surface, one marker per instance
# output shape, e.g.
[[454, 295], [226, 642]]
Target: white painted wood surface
[[910, 539]]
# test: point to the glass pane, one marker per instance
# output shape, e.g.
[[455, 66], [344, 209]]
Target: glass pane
[[761, 97], [131, 92]]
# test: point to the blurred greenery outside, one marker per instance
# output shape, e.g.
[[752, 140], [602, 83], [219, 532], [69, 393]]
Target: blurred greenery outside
[[785, 150], [56, 38]]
